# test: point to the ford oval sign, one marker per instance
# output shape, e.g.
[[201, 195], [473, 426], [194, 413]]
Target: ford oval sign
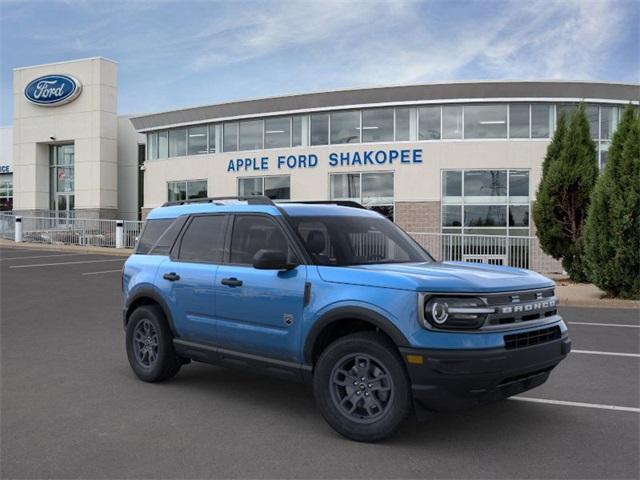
[[53, 90]]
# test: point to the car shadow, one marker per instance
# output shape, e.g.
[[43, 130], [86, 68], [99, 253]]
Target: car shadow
[[485, 423]]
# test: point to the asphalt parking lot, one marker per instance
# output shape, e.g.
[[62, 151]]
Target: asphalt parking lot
[[71, 407]]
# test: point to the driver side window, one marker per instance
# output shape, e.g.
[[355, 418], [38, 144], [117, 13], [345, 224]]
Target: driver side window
[[252, 233]]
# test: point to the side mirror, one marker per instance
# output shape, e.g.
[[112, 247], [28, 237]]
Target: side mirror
[[271, 260]]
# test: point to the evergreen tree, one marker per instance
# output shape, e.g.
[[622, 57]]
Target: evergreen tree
[[548, 231], [612, 233], [563, 197]]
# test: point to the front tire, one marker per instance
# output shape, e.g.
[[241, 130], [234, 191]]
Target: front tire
[[150, 345], [361, 387]]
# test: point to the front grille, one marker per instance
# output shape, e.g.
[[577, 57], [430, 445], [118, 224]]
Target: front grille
[[517, 307], [534, 337]]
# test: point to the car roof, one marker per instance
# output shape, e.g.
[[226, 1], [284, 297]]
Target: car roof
[[292, 209]]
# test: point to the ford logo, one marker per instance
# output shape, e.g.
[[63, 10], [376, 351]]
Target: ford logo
[[53, 90]]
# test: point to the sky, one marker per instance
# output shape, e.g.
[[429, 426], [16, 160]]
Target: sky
[[176, 54]]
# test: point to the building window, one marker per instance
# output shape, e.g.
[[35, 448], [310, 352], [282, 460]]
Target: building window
[[452, 121], [277, 132], [592, 112], [485, 202], [403, 124], [485, 121], [212, 138], [276, 187], [163, 144], [541, 120], [6, 192], [197, 140], [519, 120], [429, 123], [608, 122], [251, 135], [178, 142], [296, 131], [374, 190], [186, 190], [377, 125], [320, 129], [152, 146], [345, 127], [230, 137]]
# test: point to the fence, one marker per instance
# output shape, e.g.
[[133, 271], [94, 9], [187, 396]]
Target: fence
[[7, 226], [520, 252], [71, 231]]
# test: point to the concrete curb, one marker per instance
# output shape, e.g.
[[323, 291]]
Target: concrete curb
[[125, 252], [589, 296]]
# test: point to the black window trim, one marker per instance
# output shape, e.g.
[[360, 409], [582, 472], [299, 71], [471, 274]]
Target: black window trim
[[177, 245]]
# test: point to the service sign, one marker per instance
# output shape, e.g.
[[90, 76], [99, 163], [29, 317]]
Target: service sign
[[53, 90]]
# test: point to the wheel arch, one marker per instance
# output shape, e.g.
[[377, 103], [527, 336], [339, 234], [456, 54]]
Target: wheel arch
[[328, 323], [148, 296]]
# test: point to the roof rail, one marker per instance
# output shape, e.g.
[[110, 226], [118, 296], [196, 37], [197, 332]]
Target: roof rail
[[250, 199], [342, 203]]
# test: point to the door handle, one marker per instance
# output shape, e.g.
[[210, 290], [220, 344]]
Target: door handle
[[231, 282], [172, 276]]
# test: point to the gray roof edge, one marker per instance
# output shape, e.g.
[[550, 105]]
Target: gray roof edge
[[393, 94]]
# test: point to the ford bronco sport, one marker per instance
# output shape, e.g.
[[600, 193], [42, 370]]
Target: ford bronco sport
[[338, 296]]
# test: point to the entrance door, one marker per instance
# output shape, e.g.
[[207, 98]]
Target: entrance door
[[259, 311], [62, 180]]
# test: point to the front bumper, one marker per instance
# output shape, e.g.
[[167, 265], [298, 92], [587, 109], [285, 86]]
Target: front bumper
[[453, 379]]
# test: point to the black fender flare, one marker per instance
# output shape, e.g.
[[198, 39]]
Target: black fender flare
[[351, 313], [151, 293]]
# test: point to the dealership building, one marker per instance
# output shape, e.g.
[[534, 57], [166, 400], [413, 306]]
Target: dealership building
[[460, 157]]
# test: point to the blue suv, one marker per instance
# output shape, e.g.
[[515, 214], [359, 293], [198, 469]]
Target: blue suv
[[338, 296]]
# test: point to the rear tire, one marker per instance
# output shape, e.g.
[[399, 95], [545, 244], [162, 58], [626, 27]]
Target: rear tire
[[150, 345], [361, 387]]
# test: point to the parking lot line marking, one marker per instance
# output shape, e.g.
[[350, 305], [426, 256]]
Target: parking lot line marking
[[68, 263], [615, 354], [104, 271], [577, 404], [604, 324], [42, 256]]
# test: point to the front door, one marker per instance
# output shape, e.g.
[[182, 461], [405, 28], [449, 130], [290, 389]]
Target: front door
[[259, 311], [187, 280]]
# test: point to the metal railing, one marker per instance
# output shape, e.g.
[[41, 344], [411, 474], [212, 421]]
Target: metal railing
[[132, 229], [7, 226], [58, 230], [520, 252]]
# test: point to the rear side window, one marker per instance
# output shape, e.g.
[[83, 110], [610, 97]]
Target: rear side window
[[203, 241], [252, 233], [168, 238], [153, 229]]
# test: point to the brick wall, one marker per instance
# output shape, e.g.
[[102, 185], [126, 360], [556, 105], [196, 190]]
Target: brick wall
[[418, 216]]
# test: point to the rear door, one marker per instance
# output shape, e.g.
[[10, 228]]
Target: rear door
[[187, 278], [259, 311]]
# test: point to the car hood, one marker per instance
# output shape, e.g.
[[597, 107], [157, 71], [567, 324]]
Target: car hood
[[457, 277]]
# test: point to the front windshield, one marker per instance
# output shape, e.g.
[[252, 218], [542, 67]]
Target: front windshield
[[342, 241]]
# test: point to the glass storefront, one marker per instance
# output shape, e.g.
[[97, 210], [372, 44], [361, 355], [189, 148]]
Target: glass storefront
[[485, 202], [6, 192], [61, 179]]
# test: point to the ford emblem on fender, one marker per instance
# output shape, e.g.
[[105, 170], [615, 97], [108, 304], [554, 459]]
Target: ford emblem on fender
[[53, 90]]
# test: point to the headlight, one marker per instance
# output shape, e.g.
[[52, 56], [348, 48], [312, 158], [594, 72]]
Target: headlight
[[455, 312]]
